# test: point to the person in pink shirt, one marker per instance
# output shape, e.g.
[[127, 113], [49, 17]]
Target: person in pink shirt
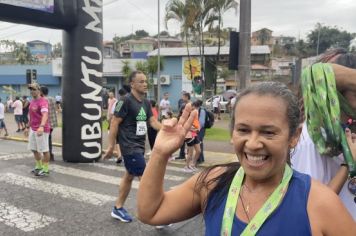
[[38, 130]]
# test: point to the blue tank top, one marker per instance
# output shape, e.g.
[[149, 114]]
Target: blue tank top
[[290, 218]]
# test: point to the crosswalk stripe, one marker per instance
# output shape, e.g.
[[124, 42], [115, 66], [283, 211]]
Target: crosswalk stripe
[[57, 189], [121, 168], [17, 156], [89, 175], [22, 219]]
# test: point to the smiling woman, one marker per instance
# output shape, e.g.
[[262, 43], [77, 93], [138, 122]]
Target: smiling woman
[[252, 197]]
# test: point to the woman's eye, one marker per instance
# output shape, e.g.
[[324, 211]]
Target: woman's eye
[[242, 130], [268, 133]]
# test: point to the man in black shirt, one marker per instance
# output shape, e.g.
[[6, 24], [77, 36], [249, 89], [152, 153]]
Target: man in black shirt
[[129, 128]]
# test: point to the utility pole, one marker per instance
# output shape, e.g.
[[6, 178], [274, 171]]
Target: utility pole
[[317, 44], [159, 56], [245, 43]]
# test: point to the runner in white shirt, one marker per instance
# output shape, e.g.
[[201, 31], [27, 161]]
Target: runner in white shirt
[[165, 106], [17, 105], [2, 117]]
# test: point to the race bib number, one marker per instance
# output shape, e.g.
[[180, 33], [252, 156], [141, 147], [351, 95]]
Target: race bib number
[[141, 128]]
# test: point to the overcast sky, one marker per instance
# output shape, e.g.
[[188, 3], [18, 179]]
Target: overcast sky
[[283, 17]]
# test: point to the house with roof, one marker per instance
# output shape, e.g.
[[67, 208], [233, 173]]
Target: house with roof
[[40, 50]]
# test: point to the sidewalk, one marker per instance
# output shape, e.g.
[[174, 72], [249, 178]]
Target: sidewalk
[[215, 152]]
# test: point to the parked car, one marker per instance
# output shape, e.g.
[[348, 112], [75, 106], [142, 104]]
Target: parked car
[[223, 103]]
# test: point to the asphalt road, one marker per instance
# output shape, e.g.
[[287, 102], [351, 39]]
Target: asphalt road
[[76, 199]]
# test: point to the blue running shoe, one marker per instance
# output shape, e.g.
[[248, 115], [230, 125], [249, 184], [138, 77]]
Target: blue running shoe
[[121, 214]]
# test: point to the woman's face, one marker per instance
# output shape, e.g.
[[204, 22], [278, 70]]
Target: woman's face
[[261, 136]]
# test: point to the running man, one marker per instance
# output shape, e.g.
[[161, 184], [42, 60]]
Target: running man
[[130, 123]]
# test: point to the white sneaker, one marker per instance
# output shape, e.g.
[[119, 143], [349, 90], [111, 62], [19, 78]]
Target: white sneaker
[[186, 169], [162, 226]]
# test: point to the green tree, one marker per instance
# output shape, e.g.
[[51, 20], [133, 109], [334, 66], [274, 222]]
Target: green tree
[[220, 7], [57, 50], [126, 70], [141, 34], [181, 11], [152, 66], [324, 37]]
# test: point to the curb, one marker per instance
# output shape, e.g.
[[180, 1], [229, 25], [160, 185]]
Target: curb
[[229, 156]]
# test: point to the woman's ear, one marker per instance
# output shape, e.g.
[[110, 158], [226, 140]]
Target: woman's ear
[[295, 138]]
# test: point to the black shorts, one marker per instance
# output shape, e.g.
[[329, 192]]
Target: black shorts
[[18, 118], [216, 110], [135, 163], [2, 124], [192, 141]]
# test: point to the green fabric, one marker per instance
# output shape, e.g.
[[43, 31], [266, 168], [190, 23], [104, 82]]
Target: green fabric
[[38, 165], [322, 105], [45, 166], [266, 210]]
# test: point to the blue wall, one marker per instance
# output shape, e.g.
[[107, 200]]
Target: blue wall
[[15, 75], [173, 67]]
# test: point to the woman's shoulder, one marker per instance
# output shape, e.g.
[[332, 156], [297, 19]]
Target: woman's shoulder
[[324, 206]]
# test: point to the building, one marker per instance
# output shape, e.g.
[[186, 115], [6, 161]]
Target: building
[[40, 50], [284, 40], [14, 76], [262, 37]]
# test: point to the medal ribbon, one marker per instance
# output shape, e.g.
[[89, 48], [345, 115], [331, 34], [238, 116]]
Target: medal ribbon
[[268, 207], [323, 105]]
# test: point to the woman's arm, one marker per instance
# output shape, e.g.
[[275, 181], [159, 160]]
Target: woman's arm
[[155, 206], [341, 176]]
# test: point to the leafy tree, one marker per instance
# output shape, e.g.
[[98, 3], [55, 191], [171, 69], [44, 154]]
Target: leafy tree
[[141, 34], [328, 37], [152, 66], [220, 7], [181, 11], [142, 66], [57, 50], [126, 70]]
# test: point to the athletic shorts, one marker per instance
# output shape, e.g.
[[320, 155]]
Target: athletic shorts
[[38, 143], [2, 124], [18, 118], [135, 163], [216, 110], [192, 141], [25, 118]]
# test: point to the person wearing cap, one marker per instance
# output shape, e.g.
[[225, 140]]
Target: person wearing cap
[[38, 130]]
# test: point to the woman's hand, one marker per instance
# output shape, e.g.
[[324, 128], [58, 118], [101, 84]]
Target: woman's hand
[[351, 140], [173, 132]]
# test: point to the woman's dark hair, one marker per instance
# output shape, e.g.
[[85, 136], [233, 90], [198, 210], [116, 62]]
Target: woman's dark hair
[[223, 181], [153, 103]]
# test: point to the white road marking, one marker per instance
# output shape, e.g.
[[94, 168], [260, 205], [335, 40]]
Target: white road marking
[[22, 219], [89, 175], [16, 156], [57, 189], [167, 176]]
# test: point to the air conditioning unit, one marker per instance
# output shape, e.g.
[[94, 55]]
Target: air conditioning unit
[[165, 80]]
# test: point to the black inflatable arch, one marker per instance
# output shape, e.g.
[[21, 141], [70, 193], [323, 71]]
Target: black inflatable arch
[[81, 22]]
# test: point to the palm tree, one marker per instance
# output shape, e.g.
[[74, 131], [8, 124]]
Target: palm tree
[[152, 64], [126, 70], [182, 12], [220, 7], [204, 17]]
